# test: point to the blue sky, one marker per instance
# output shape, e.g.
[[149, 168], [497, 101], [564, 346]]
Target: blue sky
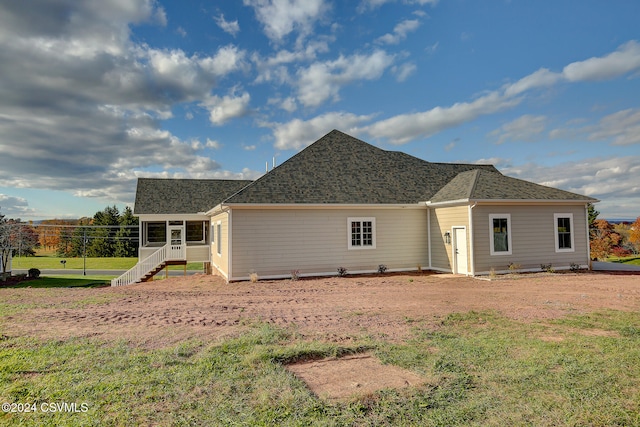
[[94, 94]]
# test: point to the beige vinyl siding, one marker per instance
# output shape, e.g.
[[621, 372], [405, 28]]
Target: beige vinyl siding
[[443, 220], [198, 253], [273, 242], [532, 236], [220, 261]]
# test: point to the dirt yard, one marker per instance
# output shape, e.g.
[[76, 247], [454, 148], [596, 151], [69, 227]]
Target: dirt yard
[[336, 309]]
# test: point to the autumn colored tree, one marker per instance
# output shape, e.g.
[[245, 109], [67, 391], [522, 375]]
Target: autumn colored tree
[[634, 234], [50, 231], [603, 239]]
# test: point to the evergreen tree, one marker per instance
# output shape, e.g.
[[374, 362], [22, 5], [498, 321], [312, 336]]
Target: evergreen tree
[[126, 237], [102, 238]]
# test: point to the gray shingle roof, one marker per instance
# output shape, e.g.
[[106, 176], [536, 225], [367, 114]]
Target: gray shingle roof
[[487, 185], [341, 169], [182, 196]]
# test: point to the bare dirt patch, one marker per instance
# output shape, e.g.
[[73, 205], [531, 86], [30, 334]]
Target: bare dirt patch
[[337, 309], [355, 375]]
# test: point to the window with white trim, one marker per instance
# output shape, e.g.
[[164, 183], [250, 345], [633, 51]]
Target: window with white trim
[[563, 231], [500, 234], [361, 232], [219, 233]]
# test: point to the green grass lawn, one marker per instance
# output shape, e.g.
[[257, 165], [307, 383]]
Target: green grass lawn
[[65, 281], [632, 260], [481, 369], [50, 262]]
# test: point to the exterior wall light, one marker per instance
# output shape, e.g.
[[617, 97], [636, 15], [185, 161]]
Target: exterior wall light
[[447, 237]]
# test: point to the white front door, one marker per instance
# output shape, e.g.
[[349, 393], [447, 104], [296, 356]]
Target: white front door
[[460, 250], [176, 243]]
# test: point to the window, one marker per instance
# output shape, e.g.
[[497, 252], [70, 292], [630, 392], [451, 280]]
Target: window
[[563, 225], [362, 233], [219, 233], [155, 233], [197, 231], [500, 234]]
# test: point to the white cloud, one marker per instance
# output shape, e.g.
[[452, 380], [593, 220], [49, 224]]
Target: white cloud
[[403, 128], [289, 104], [231, 27], [622, 61], [403, 71], [297, 133], [407, 127], [525, 128], [249, 147], [14, 207], [322, 80], [97, 81], [221, 110], [212, 143], [281, 17], [366, 5], [538, 79], [609, 179], [619, 128], [622, 127], [226, 60], [400, 32]]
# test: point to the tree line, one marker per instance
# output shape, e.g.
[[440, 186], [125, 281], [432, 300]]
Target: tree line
[[109, 233]]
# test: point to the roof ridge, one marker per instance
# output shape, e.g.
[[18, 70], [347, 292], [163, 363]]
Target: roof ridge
[[474, 181]]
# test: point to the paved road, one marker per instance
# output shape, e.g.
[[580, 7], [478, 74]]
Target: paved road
[[614, 266]]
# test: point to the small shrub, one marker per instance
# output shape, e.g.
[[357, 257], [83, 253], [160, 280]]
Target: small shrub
[[620, 251], [342, 271], [575, 267], [513, 267], [382, 268], [547, 267], [253, 277], [295, 274], [419, 268], [492, 273], [34, 273]]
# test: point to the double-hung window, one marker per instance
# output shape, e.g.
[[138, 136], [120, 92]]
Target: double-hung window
[[219, 237], [500, 234], [563, 231], [362, 233]]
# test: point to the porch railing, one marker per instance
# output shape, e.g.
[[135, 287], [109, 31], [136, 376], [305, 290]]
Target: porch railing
[[138, 271]]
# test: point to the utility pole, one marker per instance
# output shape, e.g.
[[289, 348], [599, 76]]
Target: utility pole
[[84, 252]]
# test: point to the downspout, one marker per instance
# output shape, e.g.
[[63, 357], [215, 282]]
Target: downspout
[[429, 234], [141, 238], [229, 244], [472, 240], [586, 220]]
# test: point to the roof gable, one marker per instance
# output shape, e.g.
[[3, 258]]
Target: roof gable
[[341, 169], [182, 196], [487, 185]]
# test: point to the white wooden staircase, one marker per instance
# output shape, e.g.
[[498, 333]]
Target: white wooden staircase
[[153, 264]]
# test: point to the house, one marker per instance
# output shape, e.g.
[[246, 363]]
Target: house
[[341, 202]]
